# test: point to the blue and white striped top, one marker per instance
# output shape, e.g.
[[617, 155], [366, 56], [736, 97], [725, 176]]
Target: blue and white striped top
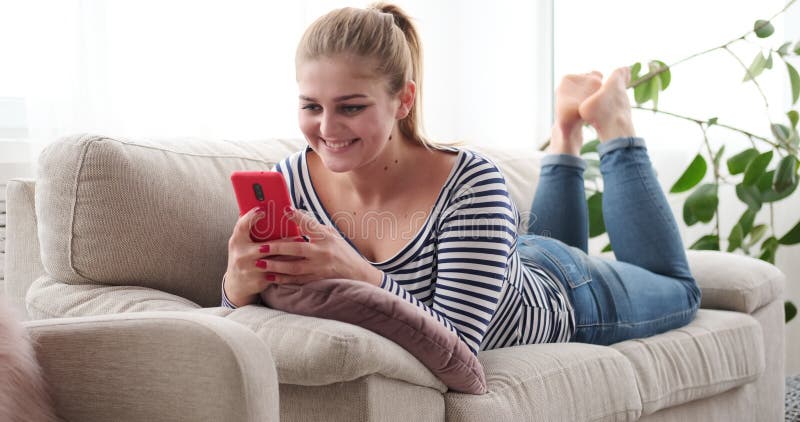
[[463, 266]]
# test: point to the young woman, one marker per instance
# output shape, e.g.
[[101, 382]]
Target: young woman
[[459, 255]]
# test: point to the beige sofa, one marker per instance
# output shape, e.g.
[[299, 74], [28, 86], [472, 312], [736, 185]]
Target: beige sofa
[[125, 226]]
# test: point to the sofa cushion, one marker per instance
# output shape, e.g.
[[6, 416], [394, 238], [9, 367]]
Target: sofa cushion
[[317, 351], [735, 282], [717, 351], [156, 214], [384, 313], [520, 168], [551, 382], [51, 298]]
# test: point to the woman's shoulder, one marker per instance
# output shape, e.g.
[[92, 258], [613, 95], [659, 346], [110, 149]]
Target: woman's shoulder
[[474, 164], [290, 164]]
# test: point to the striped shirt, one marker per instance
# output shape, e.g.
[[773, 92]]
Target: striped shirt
[[463, 267]]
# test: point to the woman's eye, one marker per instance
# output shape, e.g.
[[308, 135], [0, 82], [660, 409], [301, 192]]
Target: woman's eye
[[350, 109], [311, 107]]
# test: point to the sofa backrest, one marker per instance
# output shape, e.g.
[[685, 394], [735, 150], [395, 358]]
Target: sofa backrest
[[159, 213]]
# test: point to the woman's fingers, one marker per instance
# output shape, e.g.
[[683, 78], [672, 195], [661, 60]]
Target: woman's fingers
[[241, 231], [294, 267]]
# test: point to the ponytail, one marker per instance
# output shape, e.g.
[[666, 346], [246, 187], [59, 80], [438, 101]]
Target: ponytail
[[383, 32], [412, 126]]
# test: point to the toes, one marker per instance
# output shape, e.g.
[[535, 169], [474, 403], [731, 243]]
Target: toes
[[621, 74]]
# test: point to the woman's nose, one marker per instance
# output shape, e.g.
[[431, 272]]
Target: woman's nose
[[327, 124]]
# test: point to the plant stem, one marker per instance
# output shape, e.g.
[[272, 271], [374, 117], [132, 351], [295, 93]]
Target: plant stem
[[752, 78], [725, 46], [716, 175], [772, 219], [691, 119]]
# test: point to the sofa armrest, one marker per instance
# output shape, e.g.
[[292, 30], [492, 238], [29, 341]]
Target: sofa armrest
[[23, 263], [735, 282], [50, 298], [165, 366]]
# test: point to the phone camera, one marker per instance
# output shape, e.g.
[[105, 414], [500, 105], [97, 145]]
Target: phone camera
[[259, 191]]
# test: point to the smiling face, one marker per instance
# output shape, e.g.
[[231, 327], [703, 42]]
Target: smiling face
[[346, 112]]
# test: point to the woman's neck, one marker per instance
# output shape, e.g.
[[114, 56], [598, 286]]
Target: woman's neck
[[393, 169]]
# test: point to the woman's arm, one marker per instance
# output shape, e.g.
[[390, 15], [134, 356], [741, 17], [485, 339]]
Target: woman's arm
[[475, 235]]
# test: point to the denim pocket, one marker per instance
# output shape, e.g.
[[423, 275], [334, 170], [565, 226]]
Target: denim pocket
[[564, 261]]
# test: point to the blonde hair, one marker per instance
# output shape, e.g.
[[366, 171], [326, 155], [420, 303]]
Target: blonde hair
[[383, 32]]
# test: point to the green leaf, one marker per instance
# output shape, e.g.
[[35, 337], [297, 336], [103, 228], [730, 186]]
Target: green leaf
[[691, 176], [709, 242], [784, 48], [750, 195], [718, 156], [767, 193], [735, 238], [793, 116], [755, 69], [665, 75], [596, 224], [756, 168], [655, 87], [785, 174], [794, 140], [635, 69], [789, 310], [768, 249], [768, 65], [794, 78], [758, 232], [738, 163], [781, 132], [641, 92], [792, 237], [701, 205], [607, 248], [712, 121], [763, 29], [746, 221], [796, 48], [590, 146]]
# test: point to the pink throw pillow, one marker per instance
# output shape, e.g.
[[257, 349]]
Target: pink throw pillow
[[24, 394], [384, 313]]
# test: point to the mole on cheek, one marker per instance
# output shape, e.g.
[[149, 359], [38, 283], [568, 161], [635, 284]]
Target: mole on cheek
[[385, 168]]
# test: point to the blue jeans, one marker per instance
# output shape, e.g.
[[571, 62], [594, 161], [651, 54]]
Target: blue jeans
[[648, 289]]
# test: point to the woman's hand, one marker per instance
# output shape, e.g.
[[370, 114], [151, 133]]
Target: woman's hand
[[326, 255], [243, 279], [567, 136]]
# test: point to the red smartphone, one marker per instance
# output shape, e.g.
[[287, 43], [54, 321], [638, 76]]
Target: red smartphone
[[266, 190]]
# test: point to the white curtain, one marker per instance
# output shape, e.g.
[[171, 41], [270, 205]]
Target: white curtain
[[225, 69]]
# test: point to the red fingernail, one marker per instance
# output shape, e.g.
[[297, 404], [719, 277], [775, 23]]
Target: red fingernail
[[269, 277], [261, 264], [264, 249]]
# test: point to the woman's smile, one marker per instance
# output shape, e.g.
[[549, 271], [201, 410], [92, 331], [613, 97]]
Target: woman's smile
[[337, 145]]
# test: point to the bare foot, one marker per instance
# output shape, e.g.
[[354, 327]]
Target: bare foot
[[567, 136], [608, 110]]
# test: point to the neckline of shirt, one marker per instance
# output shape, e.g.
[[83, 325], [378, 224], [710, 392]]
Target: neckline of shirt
[[421, 234]]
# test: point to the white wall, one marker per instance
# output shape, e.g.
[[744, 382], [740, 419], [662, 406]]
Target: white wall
[[605, 35], [225, 69]]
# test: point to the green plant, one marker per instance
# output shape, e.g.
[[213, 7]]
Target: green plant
[[763, 175]]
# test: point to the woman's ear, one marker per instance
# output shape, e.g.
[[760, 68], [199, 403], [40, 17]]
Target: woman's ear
[[407, 95]]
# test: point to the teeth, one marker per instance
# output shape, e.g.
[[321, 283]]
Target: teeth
[[338, 145]]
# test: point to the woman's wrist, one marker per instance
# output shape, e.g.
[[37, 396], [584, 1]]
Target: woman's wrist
[[372, 275], [236, 298]]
